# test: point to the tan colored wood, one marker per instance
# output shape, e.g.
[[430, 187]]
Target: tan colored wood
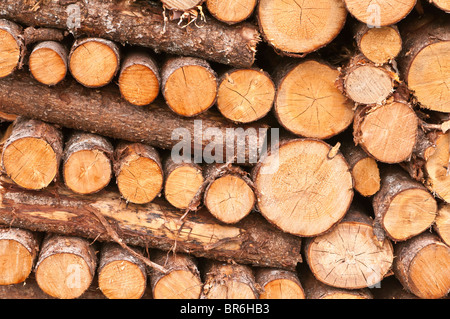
[[278, 284], [139, 173], [48, 62], [442, 4], [301, 190], [422, 266], [181, 5], [379, 45], [298, 28], [139, 79], [32, 153], [381, 12], [94, 62], [18, 251], [12, 47], [182, 280], [442, 223], [66, 266], [120, 274], [245, 95], [231, 11], [309, 104], [349, 256]]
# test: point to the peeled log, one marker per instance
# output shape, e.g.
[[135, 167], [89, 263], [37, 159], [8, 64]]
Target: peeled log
[[302, 187], [155, 225]]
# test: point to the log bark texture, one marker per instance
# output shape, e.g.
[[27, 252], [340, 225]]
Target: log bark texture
[[141, 25]]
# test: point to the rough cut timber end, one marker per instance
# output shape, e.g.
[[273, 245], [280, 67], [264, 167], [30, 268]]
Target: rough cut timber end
[[48, 62], [442, 223], [181, 5], [278, 284], [12, 47], [231, 11]]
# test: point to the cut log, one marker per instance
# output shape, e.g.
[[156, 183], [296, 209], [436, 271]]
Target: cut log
[[182, 280], [103, 112], [424, 64], [12, 48], [228, 197], [182, 182], [48, 62], [139, 78], [32, 153], [302, 187], [422, 265], [154, 225], [378, 45], [296, 29], [18, 251], [442, 4], [245, 95], [66, 266], [442, 223], [94, 62], [120, 274], [379, 14], [139, 173], [388, 133], [367, 83], [228, 281], [403, 207], [181, 5], [364, 169], [309, 104], [86, 163], [231, 11], [315, 289], [35, 35], [189, 85], [278, 284], [350, 256]]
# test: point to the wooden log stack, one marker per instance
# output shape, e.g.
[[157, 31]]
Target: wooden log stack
[[272, 149]]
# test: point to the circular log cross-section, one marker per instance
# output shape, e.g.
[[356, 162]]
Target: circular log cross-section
[[388, 133], [349, 256], [379, 45], [231, 11], [189, 85], [12, 47], [380, 13], [422, 265], [94, 62], [139, 79], [245, 95], [120, 274], [442, 223], [18, 251], [279, 284], [302, 189], [181, 5], [48, 62], [31, 154], [309, 104], [442, 4], [296, 28]]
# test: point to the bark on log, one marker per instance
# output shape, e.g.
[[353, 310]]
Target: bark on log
[[182, 280], [403, 207], [156, 225], [12, 48], [310, 26], [103, 112], [228, 281], [139, 78], [18, 251], [422, 266], [278, 284], [350, 256], [382, 13], [245, 95], [189, 85], [48, 62], [142, 25], [303, 187], [442, 223], [32, 153], [35, 35], [66, 266], [139, 172], [120, 274], [86, 163], [231, 11], [308, 103]]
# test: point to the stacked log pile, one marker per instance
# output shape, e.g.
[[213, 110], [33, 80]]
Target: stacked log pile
[[123, 177]]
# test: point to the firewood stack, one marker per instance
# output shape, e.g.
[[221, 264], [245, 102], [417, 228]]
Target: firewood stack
[[119, 178]]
